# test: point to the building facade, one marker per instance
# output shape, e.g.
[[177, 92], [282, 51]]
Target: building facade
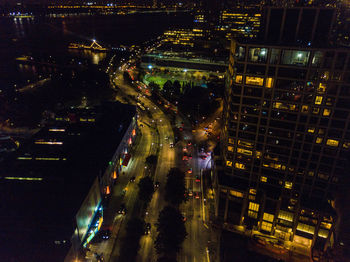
[[285, 138]]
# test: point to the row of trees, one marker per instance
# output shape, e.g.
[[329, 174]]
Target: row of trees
[[170, 226], [136, 226]]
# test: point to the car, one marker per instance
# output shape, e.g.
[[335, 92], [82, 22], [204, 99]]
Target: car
[[198, 179], [147, 228], [204, 157], [190, 193], [189, 171], [171, 144], [122, 209], [105, 234], [184, 149], [132, 179], [196, 195], [156, 184]]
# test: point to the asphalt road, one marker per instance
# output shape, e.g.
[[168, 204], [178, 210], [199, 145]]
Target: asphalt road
[[156, 136]]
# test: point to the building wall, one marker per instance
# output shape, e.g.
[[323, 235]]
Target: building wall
[[286, 133]]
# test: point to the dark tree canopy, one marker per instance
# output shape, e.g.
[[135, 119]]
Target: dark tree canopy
[[166, 259], [146, 189], [152, 160], [131, 242], [171, 231], [175, 189]]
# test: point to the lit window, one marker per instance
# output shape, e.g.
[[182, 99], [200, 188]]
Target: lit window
[[322, 233], [292, 107], [346, 145], [323, 176], [321, 131], [332, 142], [326, 112], [326, 225], [230, 148], [263, 179], [288, 185], [319, 140], [315, 110], [318, 100], [295, 57], [245, 144], [269, 82], [266, 226], [239, 78], [285, 215], [239, 165], [236, 193], [252, 214], [268, 217], [256, 81], [325, 75], [253, 206], [306, 228], [329, 101], [311, 130], [304, 108], [252, 191], [231, 141], [311, 173], [258, 154], [244, 151], [321, 88], [257, 54]]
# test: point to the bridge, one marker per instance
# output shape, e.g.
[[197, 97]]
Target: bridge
[[94, 46]]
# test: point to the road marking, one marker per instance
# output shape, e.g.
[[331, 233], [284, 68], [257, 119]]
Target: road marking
[[208, 259]]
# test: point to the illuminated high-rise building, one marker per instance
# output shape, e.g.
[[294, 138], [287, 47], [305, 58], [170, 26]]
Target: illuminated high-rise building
[[286, 128]]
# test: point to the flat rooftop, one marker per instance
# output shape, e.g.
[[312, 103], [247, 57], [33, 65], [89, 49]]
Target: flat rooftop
[[42, 191]]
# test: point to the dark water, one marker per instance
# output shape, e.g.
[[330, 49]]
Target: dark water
[[46, 39], [29, 237]]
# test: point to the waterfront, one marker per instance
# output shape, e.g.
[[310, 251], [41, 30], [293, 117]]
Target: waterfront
[[47, 39], [34, 209]]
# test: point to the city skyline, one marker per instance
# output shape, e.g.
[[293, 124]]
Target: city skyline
[[175, 130]]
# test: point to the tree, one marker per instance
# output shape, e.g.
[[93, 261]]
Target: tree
[[154, 87], [126, 76], [151, 160], [131, 242], [166, 259], [171, 232], [168, 86], [177, 88], [175, 189], [146, 189]]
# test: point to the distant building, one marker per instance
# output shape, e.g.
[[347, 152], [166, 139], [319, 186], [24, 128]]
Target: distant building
[[80, 150], [286, 128]]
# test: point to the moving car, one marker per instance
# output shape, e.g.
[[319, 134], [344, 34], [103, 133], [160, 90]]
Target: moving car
[[122, 209], [132, 179], [147, 228]]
